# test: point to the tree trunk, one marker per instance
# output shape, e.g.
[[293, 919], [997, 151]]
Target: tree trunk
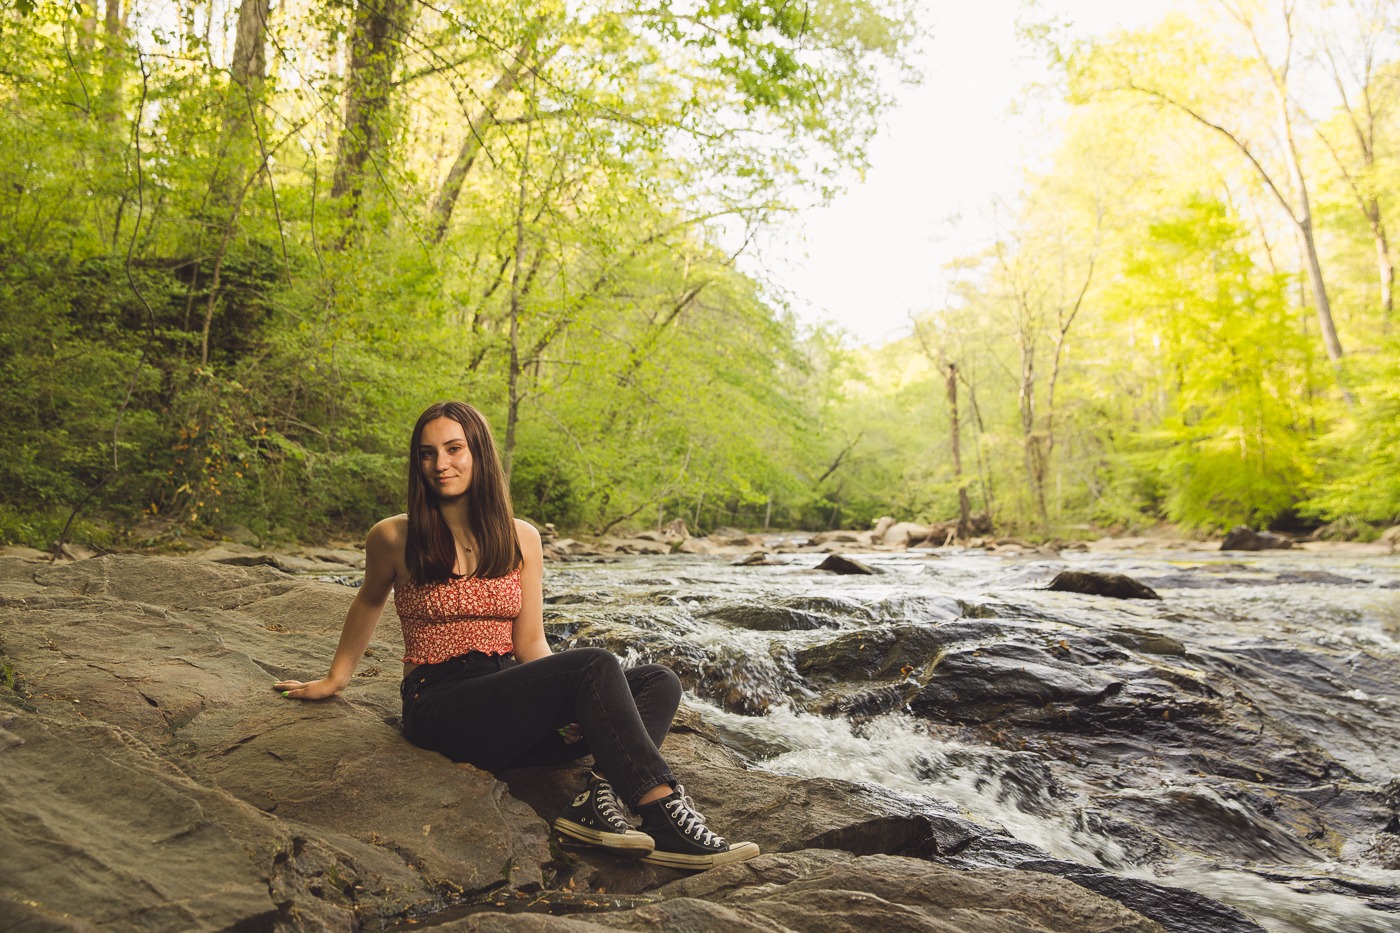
[[250, 47], [113, 61], [513, 385], [374, 46], [248, 71], [1030, 439], [1384, 265], [955, 436], [87, 25], [477, 125], [983, 477], [1301, 213], [1319, 288]]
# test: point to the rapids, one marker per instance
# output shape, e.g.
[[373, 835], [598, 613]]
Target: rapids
[[1239, 737]]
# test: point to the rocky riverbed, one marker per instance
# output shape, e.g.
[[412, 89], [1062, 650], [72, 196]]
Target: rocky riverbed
[[947, 745]]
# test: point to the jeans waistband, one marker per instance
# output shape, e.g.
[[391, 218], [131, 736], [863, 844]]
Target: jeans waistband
[[471, 664]]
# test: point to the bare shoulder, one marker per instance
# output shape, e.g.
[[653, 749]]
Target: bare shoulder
[[391, 533], [391, 528], [384, 550], [529, 537]]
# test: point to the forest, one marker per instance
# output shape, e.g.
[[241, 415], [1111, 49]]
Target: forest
[[244, 243]]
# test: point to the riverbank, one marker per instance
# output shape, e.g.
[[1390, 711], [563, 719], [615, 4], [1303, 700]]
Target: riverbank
[[345, 558], [1071, 763]]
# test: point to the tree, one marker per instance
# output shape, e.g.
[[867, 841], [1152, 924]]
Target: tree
[[375, 41], [1351, 51], [1227, 447], [1149, 65]]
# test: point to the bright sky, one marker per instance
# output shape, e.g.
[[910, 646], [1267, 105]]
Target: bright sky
[[949, 149]]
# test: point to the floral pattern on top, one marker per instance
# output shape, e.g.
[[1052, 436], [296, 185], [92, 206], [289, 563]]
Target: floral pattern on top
[[443, 620]]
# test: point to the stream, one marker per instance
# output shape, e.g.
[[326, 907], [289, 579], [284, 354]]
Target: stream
[[1239, 737]]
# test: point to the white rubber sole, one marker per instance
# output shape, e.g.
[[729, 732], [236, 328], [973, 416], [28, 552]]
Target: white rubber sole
[[629, 843], [738, 852]]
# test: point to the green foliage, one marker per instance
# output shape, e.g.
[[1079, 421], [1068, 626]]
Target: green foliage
[[197, 333], [1229, 447], [1362, 453], [224, 297]]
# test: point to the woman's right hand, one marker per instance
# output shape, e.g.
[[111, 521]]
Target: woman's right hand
[[313, 690]]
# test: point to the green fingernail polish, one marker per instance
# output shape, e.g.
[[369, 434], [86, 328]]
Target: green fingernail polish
[[286, 693]]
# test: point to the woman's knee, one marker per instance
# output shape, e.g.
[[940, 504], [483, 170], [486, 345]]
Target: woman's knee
[[595, 657], [659, 678]]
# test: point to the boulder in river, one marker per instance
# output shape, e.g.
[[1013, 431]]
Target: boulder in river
[[1244, 538], [836, 563], [1098, 583], [904, 534]]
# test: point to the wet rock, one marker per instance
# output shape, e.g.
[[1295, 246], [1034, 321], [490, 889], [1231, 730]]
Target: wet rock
[[984, 684], [891, 652], [834, 607], [846, 565], [1244, 538], [1204, 820], [1319, 578], [1099, 583], [769, 618], [1147, 642], [824, 891], [1176, 909], [757, 559]]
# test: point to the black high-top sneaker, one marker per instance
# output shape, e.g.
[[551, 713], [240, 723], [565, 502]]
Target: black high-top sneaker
[[596, 818], [682, 839]]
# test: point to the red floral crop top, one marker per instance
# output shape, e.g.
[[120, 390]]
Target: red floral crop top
[[443, 620]]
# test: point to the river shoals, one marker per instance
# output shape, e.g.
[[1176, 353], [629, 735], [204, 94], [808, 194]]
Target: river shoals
[[149, 776]]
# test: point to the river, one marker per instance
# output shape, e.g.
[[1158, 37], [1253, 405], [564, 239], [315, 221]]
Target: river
[[1238, 737]]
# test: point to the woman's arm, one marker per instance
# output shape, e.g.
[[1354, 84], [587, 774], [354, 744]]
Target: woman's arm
[[528, 633], [381, 549]]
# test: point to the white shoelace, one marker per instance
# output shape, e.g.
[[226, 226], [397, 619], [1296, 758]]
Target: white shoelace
[[608, 805], [691, 822]]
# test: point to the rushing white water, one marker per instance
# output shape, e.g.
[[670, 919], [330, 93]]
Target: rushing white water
[[895, 751]]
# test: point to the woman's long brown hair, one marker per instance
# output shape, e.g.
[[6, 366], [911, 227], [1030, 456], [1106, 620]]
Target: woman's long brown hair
[[430, 551]]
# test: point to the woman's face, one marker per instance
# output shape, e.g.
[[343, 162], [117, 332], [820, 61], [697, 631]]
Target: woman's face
[[444, 458]]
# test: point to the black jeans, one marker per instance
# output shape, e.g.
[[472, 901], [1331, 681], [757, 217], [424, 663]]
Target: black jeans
[[496, 713]]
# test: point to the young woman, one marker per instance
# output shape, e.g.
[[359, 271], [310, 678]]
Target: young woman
[[480, 683]]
